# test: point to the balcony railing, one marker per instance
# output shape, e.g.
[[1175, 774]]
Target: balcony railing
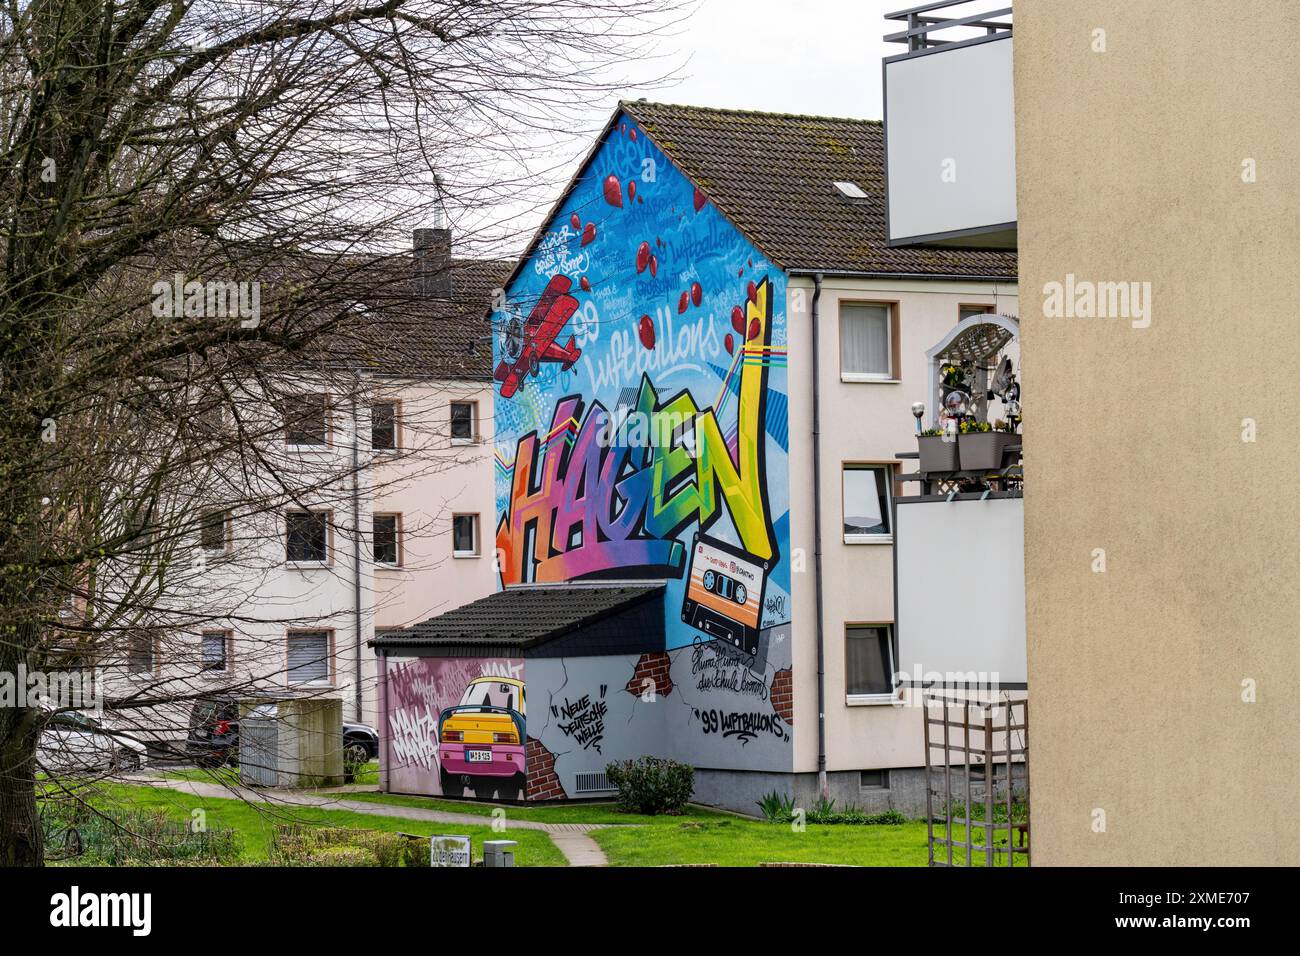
[[923, 23]]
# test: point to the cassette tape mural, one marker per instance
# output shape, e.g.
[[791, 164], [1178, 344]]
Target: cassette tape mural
[[640, 367]]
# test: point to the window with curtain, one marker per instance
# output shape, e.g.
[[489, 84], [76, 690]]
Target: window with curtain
[[866, 502], [868, 660], [865, 347]]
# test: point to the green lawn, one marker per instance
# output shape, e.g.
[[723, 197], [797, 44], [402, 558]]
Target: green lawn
[[736, 842], [255, 823], [558, 813], [368, 774]]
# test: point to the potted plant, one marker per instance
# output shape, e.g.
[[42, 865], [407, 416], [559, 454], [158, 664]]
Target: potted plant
[[938, 451], [981, 446]]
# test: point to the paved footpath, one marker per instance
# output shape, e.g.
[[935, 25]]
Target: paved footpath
[[571, 839]]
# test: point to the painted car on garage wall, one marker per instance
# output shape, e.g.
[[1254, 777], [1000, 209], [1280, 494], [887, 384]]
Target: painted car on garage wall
[[483, 736]]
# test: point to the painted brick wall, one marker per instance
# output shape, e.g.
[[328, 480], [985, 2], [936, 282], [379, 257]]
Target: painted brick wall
[[782, 695], [543, 782], [653, 667]]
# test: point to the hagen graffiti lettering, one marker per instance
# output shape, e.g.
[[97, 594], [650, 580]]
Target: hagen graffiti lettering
[[591, 497]]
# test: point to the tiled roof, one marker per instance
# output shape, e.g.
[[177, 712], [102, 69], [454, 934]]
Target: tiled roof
[[773, 175], [523, 616], [405, 333]]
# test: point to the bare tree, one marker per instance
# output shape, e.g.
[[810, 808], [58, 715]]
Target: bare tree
[[198, 199]]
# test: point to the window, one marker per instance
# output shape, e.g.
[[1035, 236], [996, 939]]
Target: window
[[214, 530], [305, 419], [462, 421], [866, 341], [464, 535], [866, 503], [385, 531], [873, 779], [966, 311], [868, 660], [140, 654], [383, 426], [216, 651], [307, 538], [309, 657]]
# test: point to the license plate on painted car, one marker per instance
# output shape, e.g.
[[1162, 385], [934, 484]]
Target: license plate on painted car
[[478, 756]]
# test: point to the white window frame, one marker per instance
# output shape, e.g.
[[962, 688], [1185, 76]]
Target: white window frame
[[328, 411], [328, 658], [888, 536], [397, 539], [891, 374], [473, 422], [872, 700], [329, 538], [477, 549], [396, 405], [226, 646]]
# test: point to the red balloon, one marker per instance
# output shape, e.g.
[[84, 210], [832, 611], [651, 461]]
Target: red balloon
[[589, 233], [697, 294], [642, 257], [654, 265], [751, 290], [632, 133], [699, 199], [645, 330], [631, 189], [681, 304], [586, 285], [754, 329], [575, 222], [730, 343], [613, 191], [738, 319]]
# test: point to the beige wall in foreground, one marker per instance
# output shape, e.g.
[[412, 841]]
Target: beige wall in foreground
[[1129, 168]]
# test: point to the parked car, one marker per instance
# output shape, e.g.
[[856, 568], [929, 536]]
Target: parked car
[[214, 735], [481, 740], [73, 742]]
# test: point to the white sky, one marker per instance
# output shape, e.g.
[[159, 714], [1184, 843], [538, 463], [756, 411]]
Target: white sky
[[820, 57]]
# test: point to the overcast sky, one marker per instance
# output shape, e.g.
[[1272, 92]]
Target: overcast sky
[[819, 57]]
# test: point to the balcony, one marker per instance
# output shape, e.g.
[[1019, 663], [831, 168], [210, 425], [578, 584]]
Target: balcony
[[950, 151]]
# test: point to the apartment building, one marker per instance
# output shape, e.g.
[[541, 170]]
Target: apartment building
[[383, 460], [704, 374]]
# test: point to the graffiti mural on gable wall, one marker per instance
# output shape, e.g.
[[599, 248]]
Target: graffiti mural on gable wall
[[642, 423]]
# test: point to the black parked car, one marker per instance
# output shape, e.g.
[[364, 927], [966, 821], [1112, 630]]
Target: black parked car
[[214, 735]]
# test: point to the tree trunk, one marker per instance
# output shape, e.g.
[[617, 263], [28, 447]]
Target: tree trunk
[[20, 826]]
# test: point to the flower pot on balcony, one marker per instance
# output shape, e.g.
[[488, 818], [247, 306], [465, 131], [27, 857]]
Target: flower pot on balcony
[[982, 451], [937, 453]]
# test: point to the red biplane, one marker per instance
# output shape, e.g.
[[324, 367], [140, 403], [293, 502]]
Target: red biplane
[[527, 344]]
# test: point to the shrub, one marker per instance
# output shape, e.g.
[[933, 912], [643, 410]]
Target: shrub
[[416, 852], [652, 785], [777, 807], [303, 845], [342, 855]]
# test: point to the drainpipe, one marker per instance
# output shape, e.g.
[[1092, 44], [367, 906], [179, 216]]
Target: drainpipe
[[817, 536], [356, 552]]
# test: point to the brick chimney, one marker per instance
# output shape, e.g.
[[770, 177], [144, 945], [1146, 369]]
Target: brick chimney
[[432, 249]]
